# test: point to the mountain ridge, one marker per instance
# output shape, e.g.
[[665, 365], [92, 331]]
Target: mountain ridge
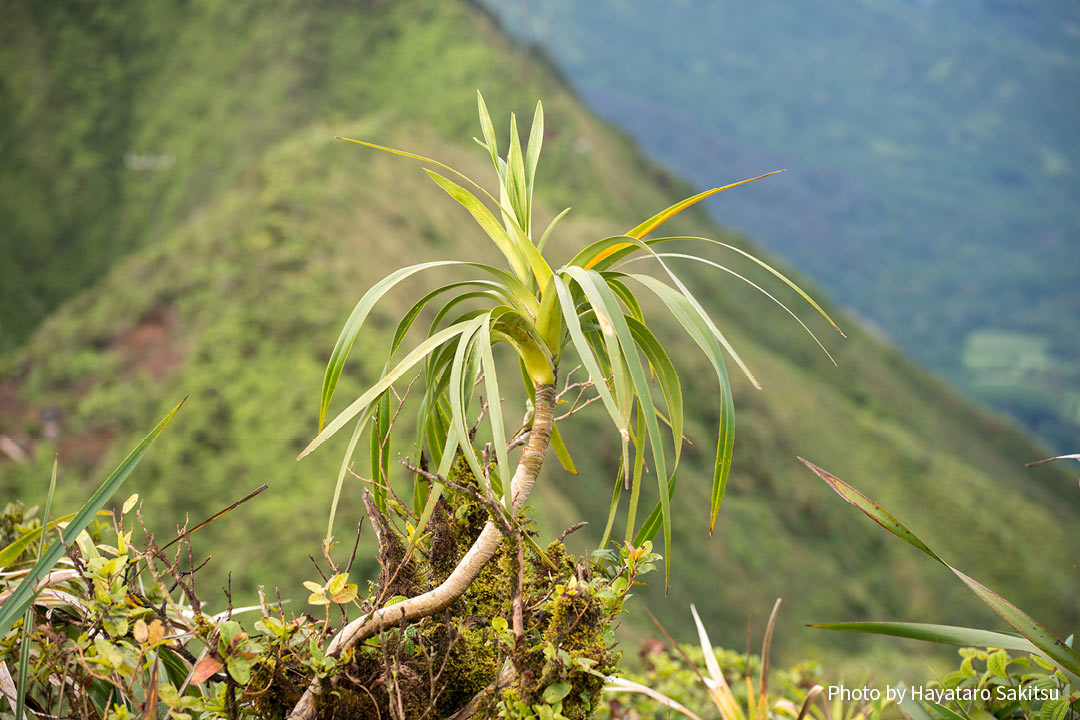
[[237, 303]]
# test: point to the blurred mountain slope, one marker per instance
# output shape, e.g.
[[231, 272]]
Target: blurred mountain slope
[[933, 151]]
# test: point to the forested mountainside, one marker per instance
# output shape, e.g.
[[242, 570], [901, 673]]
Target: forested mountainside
[[933, 152], [226, 277]]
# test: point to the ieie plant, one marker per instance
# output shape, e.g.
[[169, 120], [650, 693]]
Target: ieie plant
[[588, 313]]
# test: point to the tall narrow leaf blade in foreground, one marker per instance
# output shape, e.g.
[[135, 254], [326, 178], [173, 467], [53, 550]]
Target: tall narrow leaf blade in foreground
[[601, 296], [18, 601], [944, 634], [28, 617], [696, 328], [1051, 646], [1055, 649], [585, 354], [874, 511]]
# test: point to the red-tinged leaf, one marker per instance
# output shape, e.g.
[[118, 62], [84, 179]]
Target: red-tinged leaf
[[204, 669], [874, 511]]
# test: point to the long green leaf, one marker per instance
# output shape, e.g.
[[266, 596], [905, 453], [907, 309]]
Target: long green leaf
[[352, 327], [28, 617], [550, 228], [636, 477], [460, 389], [754, 285], [695, 327], [495, 416], [685, 292], [357, 432], [601, 296], [12, 552], [872, 510], [944, 634], [561, 451], [532, 157], [487, 221], [663, 216], [585, 354], [515, 178], [1053, 648], [488, 129], [18, 601], [420, 352]]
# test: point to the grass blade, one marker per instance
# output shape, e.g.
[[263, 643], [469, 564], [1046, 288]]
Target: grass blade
[[1053, 648], [944, 634], [618, 684], [874, 511], [18, 601]]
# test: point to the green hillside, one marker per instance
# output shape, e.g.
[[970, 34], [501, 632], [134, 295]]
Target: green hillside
[[253, 247], [933, 152]]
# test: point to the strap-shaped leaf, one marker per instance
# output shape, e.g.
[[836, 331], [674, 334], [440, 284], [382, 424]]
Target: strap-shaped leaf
[[486, 127], [515, 178], [751, 283], [550, 228], [458, 393], [561, 451], [695, 327], [664, 215], [419, 353], [1052, 647], [601, 296], [495, 416], [776, 273], [635, 479], [361, 423], [944, 634], [532, 153], [20, 599], [872, 510], [585, 354], [685, 292], [487, 221], [12, 552], [356, 320]]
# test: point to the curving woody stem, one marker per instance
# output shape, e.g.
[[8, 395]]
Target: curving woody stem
[[483, 549]]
